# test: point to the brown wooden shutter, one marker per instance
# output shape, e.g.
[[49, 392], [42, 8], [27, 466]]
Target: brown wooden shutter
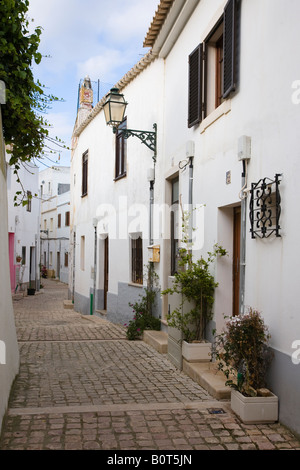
[[230, 33], [195, 86]]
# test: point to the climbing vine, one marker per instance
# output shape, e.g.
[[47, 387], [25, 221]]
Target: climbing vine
[[25, 129]]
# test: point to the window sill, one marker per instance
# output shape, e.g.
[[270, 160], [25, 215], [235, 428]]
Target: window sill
[[120, 177], [133, 284], [220, 111]]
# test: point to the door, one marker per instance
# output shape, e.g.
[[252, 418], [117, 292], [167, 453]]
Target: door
[[106, 269], [12, 267], [32, 273], [58, 265], [236, 260]]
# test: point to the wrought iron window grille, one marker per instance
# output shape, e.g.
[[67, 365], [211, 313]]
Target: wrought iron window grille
[[265, 208]]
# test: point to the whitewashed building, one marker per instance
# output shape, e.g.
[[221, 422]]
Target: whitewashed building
[[55, 221], [24, 227], [225, 98], [9, 351]]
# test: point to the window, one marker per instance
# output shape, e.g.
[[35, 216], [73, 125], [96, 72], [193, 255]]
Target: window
[[82, 253], [174, 226], [66, 259], [51, 258], [121, 152], [137, 260], [29, 198], [45, 224], [23, 255], [85, 173], [59, 220], [213, 66], [51, 225], [67, 219]]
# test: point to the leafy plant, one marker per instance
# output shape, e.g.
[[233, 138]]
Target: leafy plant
[[143, 318], [243, 352], [196, 285], [25, 129]]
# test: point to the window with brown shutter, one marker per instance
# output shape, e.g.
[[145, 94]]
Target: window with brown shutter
[[213, 65], [121, 152], [137, 260], [59, 221], [85, 173], [67, 219], [230, 37], [195, 86]]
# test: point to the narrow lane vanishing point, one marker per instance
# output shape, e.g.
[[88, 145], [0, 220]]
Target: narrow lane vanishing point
[[83, 385]]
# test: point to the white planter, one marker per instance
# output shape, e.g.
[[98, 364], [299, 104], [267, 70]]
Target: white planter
[[255, 410], [196, 352]]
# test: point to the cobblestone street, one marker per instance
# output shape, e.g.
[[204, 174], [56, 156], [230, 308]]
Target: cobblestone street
[[82, 385]]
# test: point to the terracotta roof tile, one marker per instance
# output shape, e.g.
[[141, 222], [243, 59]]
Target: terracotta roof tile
[[158, 20]]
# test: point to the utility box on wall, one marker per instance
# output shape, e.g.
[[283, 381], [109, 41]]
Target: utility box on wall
[[154, 253]]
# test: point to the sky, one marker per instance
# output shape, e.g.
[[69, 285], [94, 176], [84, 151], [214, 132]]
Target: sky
[[99, 38]]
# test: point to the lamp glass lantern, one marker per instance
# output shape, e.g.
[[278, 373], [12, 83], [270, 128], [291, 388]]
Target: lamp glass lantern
[[114, 108]]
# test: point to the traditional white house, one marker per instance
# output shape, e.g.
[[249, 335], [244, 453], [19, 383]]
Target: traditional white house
[[24, 227], [9, 351], [55, 221], [225, 98]]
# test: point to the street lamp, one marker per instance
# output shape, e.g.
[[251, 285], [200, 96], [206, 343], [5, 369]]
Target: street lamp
[[114, 111]]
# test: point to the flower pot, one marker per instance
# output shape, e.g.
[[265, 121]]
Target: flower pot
[[196, 351], [255, 410], [30, 291]]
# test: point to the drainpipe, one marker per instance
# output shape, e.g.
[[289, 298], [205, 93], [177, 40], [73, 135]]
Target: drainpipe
[[190, 153], [243, 244], [95, 223], [74, 248], [151, 179], [191, 171], [244, 155]]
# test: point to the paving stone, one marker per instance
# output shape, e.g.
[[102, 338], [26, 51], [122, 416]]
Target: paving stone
[[84, 386]]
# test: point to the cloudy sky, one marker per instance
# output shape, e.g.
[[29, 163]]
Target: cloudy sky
[[99, 38]]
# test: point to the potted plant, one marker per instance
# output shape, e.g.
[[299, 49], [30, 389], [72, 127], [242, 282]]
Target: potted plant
[[143, 318], [244, 356], [196, 286], [30, 290], [18, 258]]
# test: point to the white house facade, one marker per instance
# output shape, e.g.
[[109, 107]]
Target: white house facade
[[24, 227], [9, 351], [225, 98], [55, 221]]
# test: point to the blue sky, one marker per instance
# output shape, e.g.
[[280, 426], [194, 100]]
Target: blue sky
[[99, 38]]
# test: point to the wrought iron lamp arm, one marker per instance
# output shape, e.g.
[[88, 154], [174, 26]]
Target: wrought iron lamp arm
[[146, 137]]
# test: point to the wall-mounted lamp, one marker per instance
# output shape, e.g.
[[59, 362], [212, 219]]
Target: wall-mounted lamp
[[114, 111]]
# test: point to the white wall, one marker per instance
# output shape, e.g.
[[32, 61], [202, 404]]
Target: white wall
[[10, 367], [23, 223]]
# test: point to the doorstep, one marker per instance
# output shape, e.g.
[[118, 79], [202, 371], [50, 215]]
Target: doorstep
[[209, 377], [68, 304], [157, 339]]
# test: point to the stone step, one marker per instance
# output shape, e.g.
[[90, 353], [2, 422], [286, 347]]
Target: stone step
[[157, 339], [209, 377], [205, 374], [68, 304]]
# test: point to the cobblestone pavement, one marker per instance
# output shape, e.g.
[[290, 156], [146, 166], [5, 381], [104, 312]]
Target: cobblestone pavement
[[82, 385]]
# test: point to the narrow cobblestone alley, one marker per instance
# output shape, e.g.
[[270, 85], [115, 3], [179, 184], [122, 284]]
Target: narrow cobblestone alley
[[82, 385]]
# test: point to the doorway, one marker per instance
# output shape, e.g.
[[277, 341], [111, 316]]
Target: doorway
[[106, 270], [236, 260], [58, 265]]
